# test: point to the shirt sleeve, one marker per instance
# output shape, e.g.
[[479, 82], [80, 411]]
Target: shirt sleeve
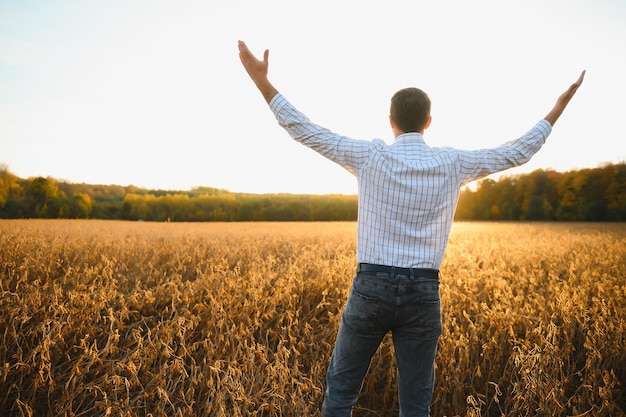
[[350, 153], [477, 164]]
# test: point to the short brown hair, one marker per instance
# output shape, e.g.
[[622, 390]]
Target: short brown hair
[[410, 109]]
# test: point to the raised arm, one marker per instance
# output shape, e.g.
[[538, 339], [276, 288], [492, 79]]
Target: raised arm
[[563, 100], [257, 70]]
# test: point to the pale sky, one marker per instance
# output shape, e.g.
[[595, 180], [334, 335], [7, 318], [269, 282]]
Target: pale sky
[[152, 93]]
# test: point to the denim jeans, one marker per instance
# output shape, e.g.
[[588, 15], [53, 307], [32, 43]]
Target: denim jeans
[[409, 307]]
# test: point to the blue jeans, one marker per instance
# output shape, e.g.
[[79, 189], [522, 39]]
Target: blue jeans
[[409, 307]]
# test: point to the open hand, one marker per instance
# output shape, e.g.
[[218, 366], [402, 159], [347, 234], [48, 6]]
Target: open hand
[[569, 93], [257, 70], [563, 100]]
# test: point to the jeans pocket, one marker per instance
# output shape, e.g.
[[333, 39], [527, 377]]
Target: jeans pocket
[[361, 312], [429, 318]]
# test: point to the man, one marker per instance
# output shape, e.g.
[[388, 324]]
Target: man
[[408, 193]]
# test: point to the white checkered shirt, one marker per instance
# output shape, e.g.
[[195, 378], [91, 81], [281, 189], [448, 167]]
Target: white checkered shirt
[[408, 191]]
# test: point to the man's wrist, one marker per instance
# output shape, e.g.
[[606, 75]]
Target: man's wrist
[[267, 90]]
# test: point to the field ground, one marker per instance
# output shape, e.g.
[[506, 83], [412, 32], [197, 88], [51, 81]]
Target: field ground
[[238, 319]]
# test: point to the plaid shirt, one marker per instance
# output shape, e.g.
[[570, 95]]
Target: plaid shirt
[[408, 191]]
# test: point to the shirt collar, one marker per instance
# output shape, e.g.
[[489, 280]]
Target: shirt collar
[[411, 137]]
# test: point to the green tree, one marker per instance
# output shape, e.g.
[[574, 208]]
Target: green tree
[[5, 184], [43, 198], [80, 206]]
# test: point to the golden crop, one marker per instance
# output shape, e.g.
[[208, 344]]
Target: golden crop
[[105, 318]]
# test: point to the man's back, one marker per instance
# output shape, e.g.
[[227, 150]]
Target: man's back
[[407, 197]]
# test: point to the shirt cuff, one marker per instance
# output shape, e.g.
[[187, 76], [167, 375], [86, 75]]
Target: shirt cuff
[[277, 102], [545, 127]]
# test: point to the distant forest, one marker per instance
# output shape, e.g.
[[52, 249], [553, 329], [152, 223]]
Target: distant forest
[[595, 194]]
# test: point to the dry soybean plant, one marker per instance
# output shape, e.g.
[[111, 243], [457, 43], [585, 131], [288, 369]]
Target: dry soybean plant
[[535, 320], [162, 319]]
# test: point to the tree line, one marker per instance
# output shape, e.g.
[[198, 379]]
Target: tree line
[[41, 197], [595, 194]]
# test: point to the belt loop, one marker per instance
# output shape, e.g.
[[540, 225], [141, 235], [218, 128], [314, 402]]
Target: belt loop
[[412, 273]]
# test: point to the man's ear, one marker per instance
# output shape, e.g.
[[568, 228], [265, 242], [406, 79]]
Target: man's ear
[[391, 122], [430, 119]]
